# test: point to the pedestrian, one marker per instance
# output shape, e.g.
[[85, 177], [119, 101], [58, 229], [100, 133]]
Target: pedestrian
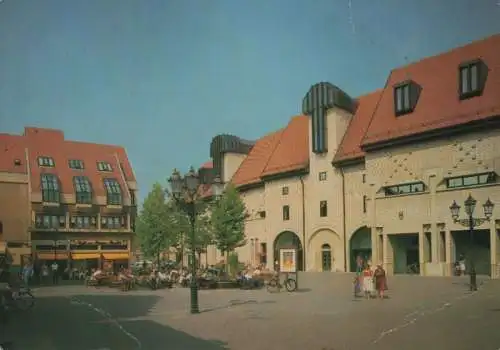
[[368, 287], [380, 281], [462, 264], [27, 273], [55, 272], [45, 273], [358, 277]]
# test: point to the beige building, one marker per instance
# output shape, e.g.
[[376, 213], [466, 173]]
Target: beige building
[[375, 176]]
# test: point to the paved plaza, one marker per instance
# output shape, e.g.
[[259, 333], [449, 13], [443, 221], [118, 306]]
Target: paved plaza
[[420, 313]]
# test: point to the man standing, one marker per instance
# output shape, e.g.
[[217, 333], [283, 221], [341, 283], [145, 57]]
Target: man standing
[[55, 272]]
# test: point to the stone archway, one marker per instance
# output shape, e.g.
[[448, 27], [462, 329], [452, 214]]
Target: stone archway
[[360, 244], [325, 244], [288, 239]]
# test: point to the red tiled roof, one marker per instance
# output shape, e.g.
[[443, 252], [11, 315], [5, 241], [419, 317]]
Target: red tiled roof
[[207, 165], [254, 164], [438, 105], [51, 143], [12, 148], [292, 151], [350, 146], [205, 190]]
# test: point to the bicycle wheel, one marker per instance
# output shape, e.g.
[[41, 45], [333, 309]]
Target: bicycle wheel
[[290, 285], [273, 286], [25, 300]]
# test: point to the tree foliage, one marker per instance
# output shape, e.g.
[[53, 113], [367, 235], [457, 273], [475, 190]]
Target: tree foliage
[[228, 221], [181, 228], [203, 231], [154, 228]]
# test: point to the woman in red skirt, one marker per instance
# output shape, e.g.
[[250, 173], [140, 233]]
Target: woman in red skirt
[[380, 281]]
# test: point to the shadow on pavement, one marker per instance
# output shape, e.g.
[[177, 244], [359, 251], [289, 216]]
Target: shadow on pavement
[[93, 322], [234, 303]]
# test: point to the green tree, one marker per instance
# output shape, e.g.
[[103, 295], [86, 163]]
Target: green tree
[[228, 222], [182, 228], [154, 229]]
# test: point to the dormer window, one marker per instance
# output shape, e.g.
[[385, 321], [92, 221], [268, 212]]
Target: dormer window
[[113, 191], [416, 187], [83, 191], [50, 188], [406, 96], [472, 78], [471, 180], [104, 166], [46, 161]]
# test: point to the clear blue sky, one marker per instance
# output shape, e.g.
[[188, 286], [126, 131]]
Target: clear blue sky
[[163, 77]]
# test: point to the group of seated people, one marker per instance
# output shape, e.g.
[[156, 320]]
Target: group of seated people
[[253, 276], [123, 275]]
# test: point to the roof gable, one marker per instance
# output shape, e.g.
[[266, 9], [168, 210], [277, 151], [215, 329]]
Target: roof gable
[[252, 166], [350, 146], [292, 151], [89, 153], [439, 105]]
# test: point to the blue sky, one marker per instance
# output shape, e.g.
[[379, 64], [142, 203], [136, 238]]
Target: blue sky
[[163, 77]]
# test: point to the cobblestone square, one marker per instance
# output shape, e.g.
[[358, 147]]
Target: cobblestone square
[[420, 313]]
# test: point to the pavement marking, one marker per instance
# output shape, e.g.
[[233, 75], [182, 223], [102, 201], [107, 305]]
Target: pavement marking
[[412, 317], [109, 317]]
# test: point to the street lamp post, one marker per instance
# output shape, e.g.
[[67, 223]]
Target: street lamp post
[[471, 223], [184, 190]]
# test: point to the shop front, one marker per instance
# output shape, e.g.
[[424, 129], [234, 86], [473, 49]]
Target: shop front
[[85, 260], [116, 260]]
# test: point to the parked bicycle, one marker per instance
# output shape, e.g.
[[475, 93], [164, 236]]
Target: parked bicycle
[[274, 284], [413, 269], [22, 300]]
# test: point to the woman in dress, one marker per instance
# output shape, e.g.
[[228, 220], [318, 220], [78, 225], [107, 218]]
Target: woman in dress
[[380, 281], [368, 287]]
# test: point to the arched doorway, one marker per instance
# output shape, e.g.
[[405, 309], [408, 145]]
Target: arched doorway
[[288, 240], [360, 245], [326, 257]]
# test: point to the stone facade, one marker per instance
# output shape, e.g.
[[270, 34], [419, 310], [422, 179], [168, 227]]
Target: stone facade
[[391, 203]]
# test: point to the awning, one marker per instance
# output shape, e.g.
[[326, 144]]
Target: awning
[[84, 256], [116, 256], [52, 256]]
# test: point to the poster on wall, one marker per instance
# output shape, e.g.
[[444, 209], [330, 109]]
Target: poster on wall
[[288, 260]]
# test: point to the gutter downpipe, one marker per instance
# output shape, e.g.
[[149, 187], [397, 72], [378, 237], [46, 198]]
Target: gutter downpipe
[[344, 219], [303, 224]]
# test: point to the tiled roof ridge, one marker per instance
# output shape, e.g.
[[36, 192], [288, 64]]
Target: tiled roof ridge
[[434, 122], [95, 144], [275, 148], [23, 136], [241, 168], [341, 154], [286, 167], [268, 135], [378, 90], [445, 52], [376, 108]]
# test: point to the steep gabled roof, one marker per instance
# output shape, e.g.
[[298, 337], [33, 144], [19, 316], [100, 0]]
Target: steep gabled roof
[[252, 166], [438, 106], [50, 143], [350, 147], [292, 150]]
